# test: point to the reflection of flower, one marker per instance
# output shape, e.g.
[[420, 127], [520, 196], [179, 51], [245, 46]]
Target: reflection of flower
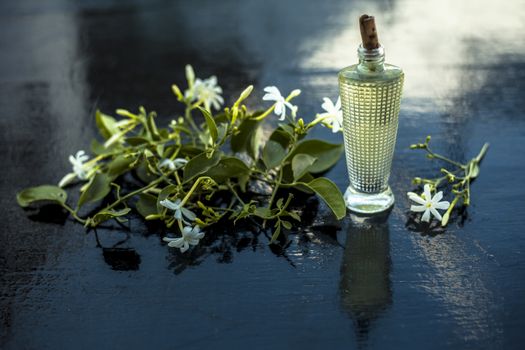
[[180, 211], [190, 236], [273, 94], [428, 204], [80, 169], [333, 115], [173, 164]]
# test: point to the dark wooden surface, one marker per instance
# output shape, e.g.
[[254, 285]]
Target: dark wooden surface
[[373, 284]]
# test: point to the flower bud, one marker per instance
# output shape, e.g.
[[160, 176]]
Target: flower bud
[[427, 140], [444, 220], [416, 180], [177, 92], [190, 74], [295, 93], [246, 93]]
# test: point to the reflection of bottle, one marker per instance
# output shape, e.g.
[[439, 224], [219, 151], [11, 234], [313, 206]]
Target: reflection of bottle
[[370, 95], [365, 272]]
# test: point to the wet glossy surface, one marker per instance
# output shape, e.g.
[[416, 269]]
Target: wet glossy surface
[[374, 284]]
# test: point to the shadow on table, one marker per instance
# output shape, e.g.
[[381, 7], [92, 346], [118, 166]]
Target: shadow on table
[[365, 286]]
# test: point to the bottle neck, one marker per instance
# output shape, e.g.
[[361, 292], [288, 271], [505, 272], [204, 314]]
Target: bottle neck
[[371, 61]]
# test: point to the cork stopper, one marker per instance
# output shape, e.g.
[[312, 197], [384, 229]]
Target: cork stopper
[[368, 32]]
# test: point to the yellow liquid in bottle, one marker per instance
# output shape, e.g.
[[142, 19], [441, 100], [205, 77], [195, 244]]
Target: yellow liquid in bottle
[[370, 102]]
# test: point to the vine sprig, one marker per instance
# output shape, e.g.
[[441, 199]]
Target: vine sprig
[[458, 176], [202, 167]]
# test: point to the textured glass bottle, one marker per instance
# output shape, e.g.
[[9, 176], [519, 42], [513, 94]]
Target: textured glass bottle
[[370, 96]]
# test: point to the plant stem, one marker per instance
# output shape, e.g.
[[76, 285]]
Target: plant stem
[[438, 156], [73, 213], [189, 118], [235, 193], [131, 194], [482, 153]]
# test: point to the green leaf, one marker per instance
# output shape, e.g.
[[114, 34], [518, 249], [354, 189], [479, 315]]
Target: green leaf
[[262, 212], [119, 166], [275, 149], [199, 165], [329, 193], [474, 170], [105, 215], [98, 188], [98, 148], [107, 126], [276, 233], [248, 138], [228, 167], [222, 129], [46, 193], [294, 215], [143, 172], [327, 154], [136, 140], [301, 164], [146, 205], [212, 127], [287, 224], [273, 154]]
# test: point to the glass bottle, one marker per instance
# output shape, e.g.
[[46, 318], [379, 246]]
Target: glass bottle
[[370, 95]]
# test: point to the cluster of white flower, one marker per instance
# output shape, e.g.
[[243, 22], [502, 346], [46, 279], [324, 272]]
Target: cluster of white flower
[[190, 234], [208, 93], [205, 90], [332, 117], [81, 170]]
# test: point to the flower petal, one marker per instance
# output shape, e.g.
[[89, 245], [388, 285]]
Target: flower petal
[[188, 214], [426, 216], [169, 204], [272, 90], [418, 208], [416, 198], [176, 243], [328, 105], [184, 247], [442, 205], [436, 214], [437, 197], [427, 193]]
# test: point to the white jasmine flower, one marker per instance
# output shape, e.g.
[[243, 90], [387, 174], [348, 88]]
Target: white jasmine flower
[[333, 115], [180, 211], [80, 169], [428, 204], [173, 164], [190, 236], [208, 91], [273, 94]]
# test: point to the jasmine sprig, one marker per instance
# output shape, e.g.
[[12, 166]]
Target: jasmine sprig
[[195, 174], [459, 178]]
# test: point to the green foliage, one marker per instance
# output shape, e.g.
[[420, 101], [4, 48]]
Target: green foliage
[[458, 176], [45, 193], [199, 173]]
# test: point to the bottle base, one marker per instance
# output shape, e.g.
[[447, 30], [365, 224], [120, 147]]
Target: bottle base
[[368, 203]]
